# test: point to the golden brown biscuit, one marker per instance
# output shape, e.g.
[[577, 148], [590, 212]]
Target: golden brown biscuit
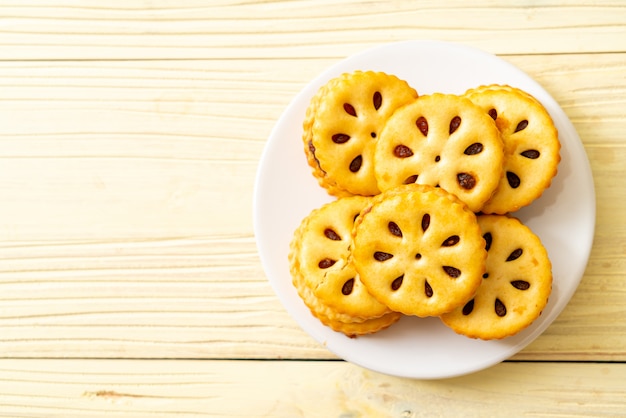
[[323, 249], [445, 140], [342, 125], [309, 149], [418, 249], [350, 326], [324, 275], [531, 145], [516, 285]]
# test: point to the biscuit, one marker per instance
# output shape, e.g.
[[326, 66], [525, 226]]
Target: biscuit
[[351, 327], [323, 273], [531, 145], [441, 140], [309, 149], [516, 285], [342, 125], [419, 250], [323, 256]]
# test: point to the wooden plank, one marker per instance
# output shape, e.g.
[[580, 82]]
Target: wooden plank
[[187, 389], [230, 29], [194, 104], [118, 226]]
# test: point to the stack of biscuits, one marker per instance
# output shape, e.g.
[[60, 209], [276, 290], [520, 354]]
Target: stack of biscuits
[[421, 224]]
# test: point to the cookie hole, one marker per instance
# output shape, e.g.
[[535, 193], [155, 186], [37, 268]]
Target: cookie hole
[[394, 229], [533, 154], [349, 109], [373, 134], [326, 263], [355, 165], [499, 308], [515, 254], [428, 291], [331, 234], [486, 276], [402, 151], [422, 125], [397, 282], [347, 287], [377, 100], [437, 159], [451, 241], [454, 124], [418, 256], [475, 148], [452, 271], [521, 126], [425, 222], [340, 138], [468, 308], [520, 284], [382, 256], [488, 240], [411, 179], [493, 113], [466, 181], [513, 180]]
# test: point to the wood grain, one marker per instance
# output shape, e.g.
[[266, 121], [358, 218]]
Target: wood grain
[[127, 187], [130, 136], [32, 388], [229, 29]]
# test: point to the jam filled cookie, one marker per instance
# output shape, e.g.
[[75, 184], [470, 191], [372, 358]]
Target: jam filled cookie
[[324, 275], [342, 125], [419, 250], [516, 284], [323, 256], [351, 327], [441, 140], [531, 145]]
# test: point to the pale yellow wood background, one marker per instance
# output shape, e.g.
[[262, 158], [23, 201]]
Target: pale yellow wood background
[[130, 134], [164, 388]]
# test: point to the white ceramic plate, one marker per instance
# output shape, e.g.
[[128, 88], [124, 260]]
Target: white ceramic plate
[[285, 192]]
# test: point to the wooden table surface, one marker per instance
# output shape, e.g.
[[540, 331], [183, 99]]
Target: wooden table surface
[[130, 136]]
